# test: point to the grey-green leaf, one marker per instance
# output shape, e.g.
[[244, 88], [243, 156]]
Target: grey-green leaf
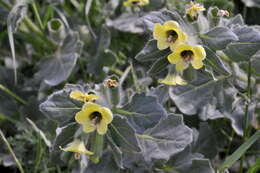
[[168, 137], [127, 22], [106, 165], [145, 112], [123, 134], [247, 45], [182, 161], [204, 96], [218, 37], [150, 52], [159, 66], [64, 135], [59, 106], [206, 142], [162, 16], [57, 68], [241, 51]]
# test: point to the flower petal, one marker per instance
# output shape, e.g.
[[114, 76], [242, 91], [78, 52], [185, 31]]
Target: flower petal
[[77, 95], [91, 97], [173, 79], [174, 58], [181, 65], [158, 32], [102, 128], [171, 24], [107, 115], [88, 108], [182, 37], [162, 44], [197, 64], [88, 127], [180, 81], [77, 146], [199, 52]]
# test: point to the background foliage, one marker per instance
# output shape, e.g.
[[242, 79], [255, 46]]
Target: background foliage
[[50, 48]]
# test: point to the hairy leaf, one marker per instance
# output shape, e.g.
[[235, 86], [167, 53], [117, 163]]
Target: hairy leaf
[[59, 106], [168, 137], [218, 37], [144, 112], [123, 135], [57, 68]]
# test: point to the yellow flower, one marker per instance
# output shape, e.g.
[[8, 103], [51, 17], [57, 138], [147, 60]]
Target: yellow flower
[[136, 3], [186, 54], [193, 9], [93, 116], [173, 79], [77, 146], [168, 35], [77, 95]]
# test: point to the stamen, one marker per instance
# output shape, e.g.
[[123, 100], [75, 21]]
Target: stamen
[[135, 2], [172, 36], [187, 55], [95, 118]]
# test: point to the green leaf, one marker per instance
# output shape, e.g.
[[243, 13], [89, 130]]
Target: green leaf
[[123, 134], [159, 66], [167, 138], [255, 167], [218, 38], [150, 52], [145, 112], [57, 68], [239, 152], [60, 107], [14, 18], [201, 166]]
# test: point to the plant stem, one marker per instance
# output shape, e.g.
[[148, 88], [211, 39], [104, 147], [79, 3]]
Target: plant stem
[[230, 142], [246, 119], [12, 152], [37, 15], [19, 99], [135, 80]]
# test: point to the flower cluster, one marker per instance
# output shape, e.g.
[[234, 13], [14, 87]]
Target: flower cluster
[[92, 117], [170, 35]]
